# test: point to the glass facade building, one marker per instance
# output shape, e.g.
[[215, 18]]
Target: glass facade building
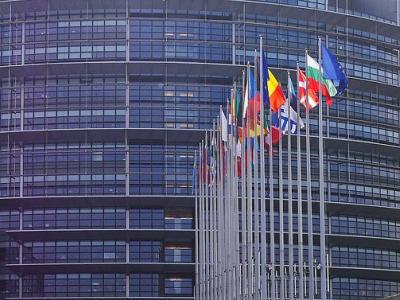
[[103, 103]]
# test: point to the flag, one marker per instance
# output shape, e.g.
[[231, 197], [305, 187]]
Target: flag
[[333, 70], [224, 125], [292, 94], [239, 158], [254, 108], [238, 106], [312, 98], [275, 93], [313, 75], [285, 123], [250, 91], [276, 135], [233, 105], [239, 166], [264, 69]]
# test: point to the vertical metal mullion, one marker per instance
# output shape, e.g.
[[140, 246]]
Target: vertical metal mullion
[[21, 170], [233, 43], [126, 140], [127, 32], [23, 43], [244, 32]]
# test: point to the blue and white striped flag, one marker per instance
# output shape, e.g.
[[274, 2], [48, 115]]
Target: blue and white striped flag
[[285, 123]]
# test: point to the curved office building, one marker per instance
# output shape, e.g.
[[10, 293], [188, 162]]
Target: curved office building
[[102, 104]]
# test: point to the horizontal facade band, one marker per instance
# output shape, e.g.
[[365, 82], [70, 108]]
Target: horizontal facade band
[[233, 6], [365, 273], [181, 201], [135, 201], [157, 67], [362, 241], [145, 267], [372, 211], [138, 136], [177, 235], [171, 136], [105, 298]]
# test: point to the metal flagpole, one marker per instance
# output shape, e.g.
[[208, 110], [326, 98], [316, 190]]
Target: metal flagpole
[[209, 224], [217, 241], [290, 203], [249, 203], [215, 216], [281, 232], [262, 190], [234, 232], [201, 224], [207, 219], [220, 217], [211, 215], [299, 195], [196, 218], [236, 198], [243, 187], [228, 214], [233, 235], [271, 210], [321, 178], [309, 197], [256, 189]]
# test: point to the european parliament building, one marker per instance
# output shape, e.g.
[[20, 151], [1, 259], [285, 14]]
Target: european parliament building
[[103, 103]]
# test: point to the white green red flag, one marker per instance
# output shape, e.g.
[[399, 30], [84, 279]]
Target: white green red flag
[[313, 75]]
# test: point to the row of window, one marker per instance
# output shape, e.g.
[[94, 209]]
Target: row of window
[[364, 226], [170, 48], [369, 258], [185, 51], [173, 29], [359, 172], [104, 285], [155, 183], [154, 116], [363, 194], [90, 91], [363, 289], [75, 30], [83, 165], [105, 251], [365, 111], [81, 218]]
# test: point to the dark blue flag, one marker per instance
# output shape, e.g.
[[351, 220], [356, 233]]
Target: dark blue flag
[[333, 70], [265, 77]]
